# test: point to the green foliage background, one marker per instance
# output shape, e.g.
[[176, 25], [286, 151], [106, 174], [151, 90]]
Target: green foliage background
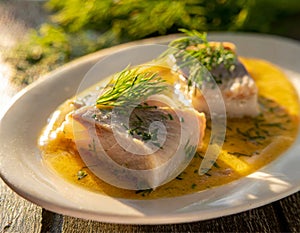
[[79, 27]]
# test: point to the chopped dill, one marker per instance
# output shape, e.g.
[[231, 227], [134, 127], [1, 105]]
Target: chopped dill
[[81, 174], [189, 150], [179, 177], [214, 163], [278, 125], [238, 154], [144, 192], [170, 116], [251, 136], [92, 147], [145, 106], [140, 119], [157, 145], [193, 186]]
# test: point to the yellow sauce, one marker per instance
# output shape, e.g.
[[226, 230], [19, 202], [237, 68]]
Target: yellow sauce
[[250, 144]]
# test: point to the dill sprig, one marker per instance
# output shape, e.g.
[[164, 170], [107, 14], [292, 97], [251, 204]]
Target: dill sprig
[[130, 87], [197, 46], [194, 52]]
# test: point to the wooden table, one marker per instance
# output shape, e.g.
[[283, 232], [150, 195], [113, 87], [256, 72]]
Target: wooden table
[[19, 215]]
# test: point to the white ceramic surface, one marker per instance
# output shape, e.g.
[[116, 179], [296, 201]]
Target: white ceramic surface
[[21, 166]]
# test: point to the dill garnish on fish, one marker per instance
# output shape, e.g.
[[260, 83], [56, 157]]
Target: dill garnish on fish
[[197, 46], [195, 52], [129, 87]]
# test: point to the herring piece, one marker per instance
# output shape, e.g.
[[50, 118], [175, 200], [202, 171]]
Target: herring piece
[[153, 148], [238, 89], [195, 56]]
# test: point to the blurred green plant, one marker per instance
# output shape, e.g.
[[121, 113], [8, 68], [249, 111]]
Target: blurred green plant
[[79, 27]]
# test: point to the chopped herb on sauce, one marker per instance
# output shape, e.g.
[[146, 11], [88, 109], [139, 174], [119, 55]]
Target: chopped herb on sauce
[[238, 154], [278, 125], [179, 177], [144, 192], [81, 174]]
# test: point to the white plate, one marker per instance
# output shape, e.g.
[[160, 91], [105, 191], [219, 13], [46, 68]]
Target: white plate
[[22, 169]]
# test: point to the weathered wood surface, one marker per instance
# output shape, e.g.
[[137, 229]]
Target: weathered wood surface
[[289, 207], [261, 220], [264, 219], [19, 215]]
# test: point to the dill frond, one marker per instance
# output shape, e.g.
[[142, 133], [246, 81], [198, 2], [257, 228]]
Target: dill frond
[[197, 46], [130, 87], [194, 53]]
